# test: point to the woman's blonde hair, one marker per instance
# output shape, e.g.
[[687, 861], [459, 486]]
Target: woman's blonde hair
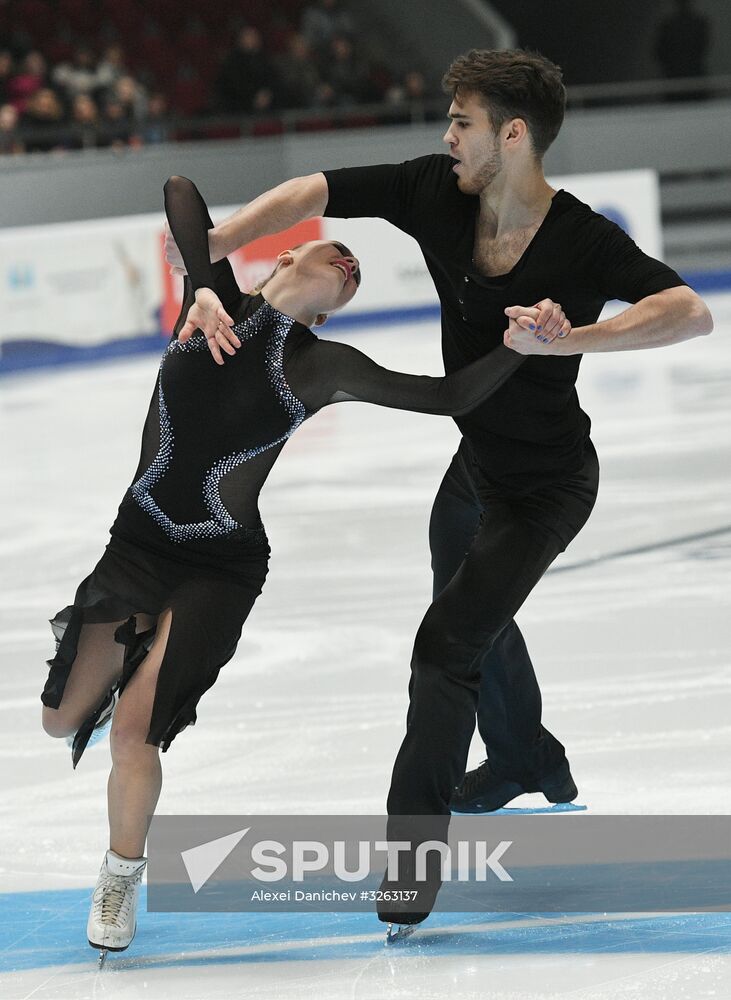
[[260, 284]]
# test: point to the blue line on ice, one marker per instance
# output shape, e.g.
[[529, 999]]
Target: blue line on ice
[[44, 929]]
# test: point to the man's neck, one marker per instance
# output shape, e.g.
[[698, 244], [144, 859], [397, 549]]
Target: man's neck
[[519, 201]]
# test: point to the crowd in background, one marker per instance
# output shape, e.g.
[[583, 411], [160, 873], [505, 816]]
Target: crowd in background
[[116, 88], [100, 97], [77, 74]]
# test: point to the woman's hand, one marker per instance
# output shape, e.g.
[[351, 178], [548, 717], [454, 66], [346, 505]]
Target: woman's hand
[[533, 329], [208, 315]]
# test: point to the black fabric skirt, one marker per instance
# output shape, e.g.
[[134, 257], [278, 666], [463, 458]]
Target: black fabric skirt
[[210, 587]]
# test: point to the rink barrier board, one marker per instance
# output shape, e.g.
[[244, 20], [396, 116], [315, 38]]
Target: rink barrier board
[[86, 290], [24, 355]]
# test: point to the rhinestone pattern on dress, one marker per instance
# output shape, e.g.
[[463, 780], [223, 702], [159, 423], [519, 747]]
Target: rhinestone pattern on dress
[[266, 320]]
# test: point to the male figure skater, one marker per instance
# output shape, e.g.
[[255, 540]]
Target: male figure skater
[[499, 242]]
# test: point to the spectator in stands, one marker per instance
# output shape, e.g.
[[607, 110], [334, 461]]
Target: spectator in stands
[[324, 19], [44, 113], [80, 76], [112, 66], [117, 128], [155, 127], [85, 119], [299, 80], [10, 141], [131, 95], [246, 82], [32, 77], [411, 87], [412, 94], [7, 67], [681, 44], [347, 74]]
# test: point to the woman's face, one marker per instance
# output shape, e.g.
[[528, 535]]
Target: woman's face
[[330, 273]]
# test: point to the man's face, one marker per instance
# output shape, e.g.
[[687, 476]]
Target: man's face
[[473, 144]]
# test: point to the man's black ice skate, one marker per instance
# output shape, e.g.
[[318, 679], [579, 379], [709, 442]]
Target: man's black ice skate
[[397, 932], [407, 900], [559, 785], [483, 791]]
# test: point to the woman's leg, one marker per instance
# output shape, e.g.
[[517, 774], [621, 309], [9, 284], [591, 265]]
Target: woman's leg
[[136, 776], [97, 668], [195, 636]]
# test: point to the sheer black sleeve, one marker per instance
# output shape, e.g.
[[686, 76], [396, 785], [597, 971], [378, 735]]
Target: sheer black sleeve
[[322, 372], [189, 221]]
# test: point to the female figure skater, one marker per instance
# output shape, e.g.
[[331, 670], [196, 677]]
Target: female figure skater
[[151, 627]]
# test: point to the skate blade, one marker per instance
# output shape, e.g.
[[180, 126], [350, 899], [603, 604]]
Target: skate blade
[[404, 931], [104, 950], [559, 807]]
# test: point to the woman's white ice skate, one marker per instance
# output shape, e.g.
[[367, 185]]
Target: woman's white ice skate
[[113, 916]]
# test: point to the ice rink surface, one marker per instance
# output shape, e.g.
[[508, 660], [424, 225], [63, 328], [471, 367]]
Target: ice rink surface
[[630, 633]]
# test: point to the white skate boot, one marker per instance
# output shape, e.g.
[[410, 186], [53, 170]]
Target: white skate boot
[[113, 916]]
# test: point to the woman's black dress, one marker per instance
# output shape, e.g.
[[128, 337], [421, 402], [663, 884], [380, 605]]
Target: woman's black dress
[[188, 536]]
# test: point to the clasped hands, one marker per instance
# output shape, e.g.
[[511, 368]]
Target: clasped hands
[[533, 329]]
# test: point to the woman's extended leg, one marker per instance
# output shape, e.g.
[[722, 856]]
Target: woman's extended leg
[[136, 776], [132, 794], [195, 636]]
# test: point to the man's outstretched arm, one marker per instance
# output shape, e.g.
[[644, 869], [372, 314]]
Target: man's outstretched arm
[[283, 206], [667, 317]]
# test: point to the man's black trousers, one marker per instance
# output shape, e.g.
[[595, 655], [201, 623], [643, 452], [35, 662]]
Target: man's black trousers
[[489, 550]]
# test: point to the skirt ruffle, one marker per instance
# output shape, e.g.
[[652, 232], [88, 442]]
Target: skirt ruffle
[[208, 608]]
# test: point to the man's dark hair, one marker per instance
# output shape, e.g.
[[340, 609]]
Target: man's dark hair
[[512, 83]]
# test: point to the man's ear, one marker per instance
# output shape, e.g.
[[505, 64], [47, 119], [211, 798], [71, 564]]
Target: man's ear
[[285, 258], [321, 318]]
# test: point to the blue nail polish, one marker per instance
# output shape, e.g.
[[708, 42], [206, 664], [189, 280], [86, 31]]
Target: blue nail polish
[[540, 327], [532, 327]]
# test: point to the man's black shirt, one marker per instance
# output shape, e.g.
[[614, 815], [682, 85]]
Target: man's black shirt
[[532, 430]]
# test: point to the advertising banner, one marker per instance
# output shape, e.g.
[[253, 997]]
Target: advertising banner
[[93, 289]]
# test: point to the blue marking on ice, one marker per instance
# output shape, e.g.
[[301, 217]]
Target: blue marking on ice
[[43, 929]]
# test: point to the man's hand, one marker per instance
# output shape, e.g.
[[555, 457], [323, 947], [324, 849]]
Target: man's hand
[[174, 257], [207, 314], [533, 329]]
